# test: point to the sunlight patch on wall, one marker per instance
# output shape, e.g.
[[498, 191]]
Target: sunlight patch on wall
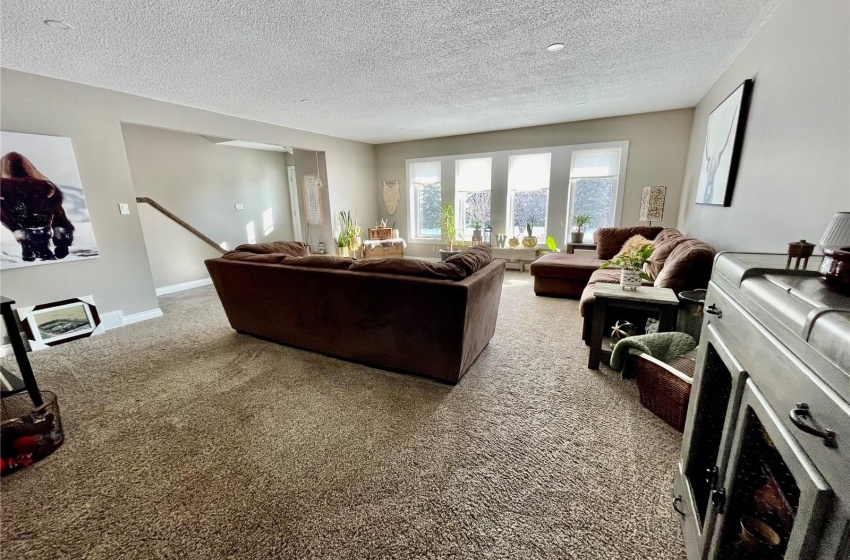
[[268, 222], [252, 237]]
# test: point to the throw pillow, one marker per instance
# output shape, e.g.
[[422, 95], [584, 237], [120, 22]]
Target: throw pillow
[[409, 267], [472, 259], [666, 241], [292, 248], [633, 242]]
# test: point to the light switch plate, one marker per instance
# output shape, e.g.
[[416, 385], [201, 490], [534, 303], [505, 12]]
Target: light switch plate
[[239, 206], [124, 208]]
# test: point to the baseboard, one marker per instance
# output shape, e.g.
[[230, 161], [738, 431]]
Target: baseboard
[[143, 316], [183, 286]]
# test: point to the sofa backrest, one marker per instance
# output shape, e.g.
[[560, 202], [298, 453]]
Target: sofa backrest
[[609, 241], [688, 266]]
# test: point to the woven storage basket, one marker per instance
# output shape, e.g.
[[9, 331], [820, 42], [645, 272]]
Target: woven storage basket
[[665, 389]]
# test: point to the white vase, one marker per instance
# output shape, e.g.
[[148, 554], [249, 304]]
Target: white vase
[[629, 279]]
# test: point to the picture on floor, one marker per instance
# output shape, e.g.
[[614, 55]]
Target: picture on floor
[[43, 207]]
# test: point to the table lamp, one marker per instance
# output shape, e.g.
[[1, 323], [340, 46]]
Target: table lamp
[[652, 204], [835, 243]]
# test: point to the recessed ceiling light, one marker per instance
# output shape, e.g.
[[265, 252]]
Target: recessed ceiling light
[[582, 104], [56, 24], [306, 100], [555, 47]]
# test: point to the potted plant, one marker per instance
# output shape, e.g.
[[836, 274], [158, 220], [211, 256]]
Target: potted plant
[[580, 221], [631, 262], [451, 234], [476, 230], [341, 241], [529, 241], [352, 231]]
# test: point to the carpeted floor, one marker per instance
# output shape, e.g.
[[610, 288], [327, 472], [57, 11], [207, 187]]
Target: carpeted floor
[[187, 440]]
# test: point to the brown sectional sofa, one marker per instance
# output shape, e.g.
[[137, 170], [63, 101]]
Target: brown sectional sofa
[[678, 262], [400, 314]]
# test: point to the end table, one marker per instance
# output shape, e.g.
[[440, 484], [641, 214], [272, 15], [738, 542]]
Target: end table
[[662, 301]]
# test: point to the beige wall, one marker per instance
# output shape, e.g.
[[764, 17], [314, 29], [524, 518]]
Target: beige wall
[[120, 279], [795, 163], [308, 162], [658, 145], [201, 182]]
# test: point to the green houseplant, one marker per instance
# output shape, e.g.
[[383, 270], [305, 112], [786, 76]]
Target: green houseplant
[[631, 261], [341, 241], [451, 233], [579, 222], [476, 230], [352, 231]]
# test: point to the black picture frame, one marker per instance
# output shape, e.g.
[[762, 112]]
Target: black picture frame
[[724, 131]]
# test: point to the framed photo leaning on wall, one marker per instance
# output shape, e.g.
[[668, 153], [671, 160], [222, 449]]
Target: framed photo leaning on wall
[[721, 154]]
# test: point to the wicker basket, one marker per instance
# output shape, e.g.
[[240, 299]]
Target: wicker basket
[[665, 389], [28, 434]]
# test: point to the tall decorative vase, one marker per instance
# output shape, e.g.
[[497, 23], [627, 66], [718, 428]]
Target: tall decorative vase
[[629, 279]]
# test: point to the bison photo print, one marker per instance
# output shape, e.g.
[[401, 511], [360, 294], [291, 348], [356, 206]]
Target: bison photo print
[[42, 205]]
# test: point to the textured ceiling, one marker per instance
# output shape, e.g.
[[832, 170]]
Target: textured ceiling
[[382, 70]]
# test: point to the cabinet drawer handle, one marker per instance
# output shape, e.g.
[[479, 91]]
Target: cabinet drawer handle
[[802, 418], [713, 310], [676, 502]]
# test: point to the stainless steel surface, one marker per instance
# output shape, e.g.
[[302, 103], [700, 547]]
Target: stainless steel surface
[[789, 335]]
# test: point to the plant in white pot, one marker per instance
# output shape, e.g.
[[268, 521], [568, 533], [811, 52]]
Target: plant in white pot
[[579, 222], [631, 261]]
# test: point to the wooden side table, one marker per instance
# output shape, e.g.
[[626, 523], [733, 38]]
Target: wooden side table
[[612, 296], [571, 247], [11, 384], [523, 256]]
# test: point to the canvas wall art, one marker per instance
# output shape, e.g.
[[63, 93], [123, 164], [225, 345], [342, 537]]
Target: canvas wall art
[[722, 152], [42, 204]]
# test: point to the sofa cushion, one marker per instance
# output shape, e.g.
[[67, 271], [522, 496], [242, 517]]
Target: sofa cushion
[[292, 248], [564, 265], [409, 267], [610, 240], [268, 258], [320, 261], [666, 241], [472, 259], [688, 267]]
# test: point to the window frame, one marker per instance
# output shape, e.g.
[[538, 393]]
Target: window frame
[[511, 193], [460, 205], [620, 190], [413, 197]]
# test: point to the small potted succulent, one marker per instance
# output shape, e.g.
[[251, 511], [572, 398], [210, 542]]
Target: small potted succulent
[[341, 241], [451, 233], [529, 241], [631, 263], [352, 231], [580, 221], [476, 230]]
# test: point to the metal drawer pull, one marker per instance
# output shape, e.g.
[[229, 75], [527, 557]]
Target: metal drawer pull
[[802, 418], [713, 310], [676, 502]]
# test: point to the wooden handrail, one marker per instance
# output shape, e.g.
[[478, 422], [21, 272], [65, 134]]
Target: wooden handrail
[[176, 219]]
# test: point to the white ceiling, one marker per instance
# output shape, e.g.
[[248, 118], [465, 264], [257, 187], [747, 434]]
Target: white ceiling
[[383, 70]]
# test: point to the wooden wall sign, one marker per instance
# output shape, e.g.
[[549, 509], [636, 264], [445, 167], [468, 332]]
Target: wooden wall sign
[[313, 200]]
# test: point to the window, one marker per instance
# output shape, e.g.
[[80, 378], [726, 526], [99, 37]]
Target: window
[[594, 183], [528, 193], [426, 197], [472, 188]]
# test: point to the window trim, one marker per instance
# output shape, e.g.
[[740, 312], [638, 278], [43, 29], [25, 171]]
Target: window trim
[[413, 204], [621, 179], [457, 202]]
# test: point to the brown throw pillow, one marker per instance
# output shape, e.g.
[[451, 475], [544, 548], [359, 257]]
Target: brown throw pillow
[[609, 240], [666, 241], [292, 248], [320, 261], [688, 267], [472, 259], [409, 267], [268, 258]]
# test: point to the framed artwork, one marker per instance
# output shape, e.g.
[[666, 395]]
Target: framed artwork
[[44, 212], [313, 200], [723, 140], [54, 323]]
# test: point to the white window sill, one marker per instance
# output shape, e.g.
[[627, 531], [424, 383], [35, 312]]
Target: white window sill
[[424, 241]]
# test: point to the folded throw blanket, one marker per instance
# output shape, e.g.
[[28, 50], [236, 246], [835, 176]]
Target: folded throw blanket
[[664, 346]]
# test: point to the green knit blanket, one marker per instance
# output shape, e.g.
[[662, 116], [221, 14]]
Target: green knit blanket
[[664, 346]]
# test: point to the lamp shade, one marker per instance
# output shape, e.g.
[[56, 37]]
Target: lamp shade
[[652, 203], [838, 231]]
